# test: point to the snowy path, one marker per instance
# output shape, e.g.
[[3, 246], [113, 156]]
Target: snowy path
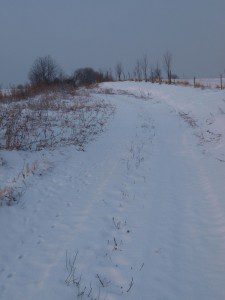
[[143, 206]]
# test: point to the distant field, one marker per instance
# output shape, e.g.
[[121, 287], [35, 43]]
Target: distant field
[[207, 82]]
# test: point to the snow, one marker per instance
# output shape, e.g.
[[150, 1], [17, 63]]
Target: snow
[[142, 206]]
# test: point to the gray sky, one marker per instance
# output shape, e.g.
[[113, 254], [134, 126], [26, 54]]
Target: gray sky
[[98, 33]]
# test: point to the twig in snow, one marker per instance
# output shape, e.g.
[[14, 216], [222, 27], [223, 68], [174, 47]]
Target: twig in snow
[[131, 284], [116, 224], [90, 291], [116, 245], [71, 268], [103, 284], [100, 280], [82, 293]]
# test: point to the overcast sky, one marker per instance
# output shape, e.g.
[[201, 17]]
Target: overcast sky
[[98, 33]]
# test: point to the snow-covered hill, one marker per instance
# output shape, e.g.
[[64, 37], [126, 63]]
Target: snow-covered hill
[[140, 214]]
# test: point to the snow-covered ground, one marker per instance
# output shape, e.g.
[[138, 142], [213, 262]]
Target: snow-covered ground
[[140, 214]]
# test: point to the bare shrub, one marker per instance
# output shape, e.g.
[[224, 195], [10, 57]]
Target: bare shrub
[[88, 76], [44, 70]]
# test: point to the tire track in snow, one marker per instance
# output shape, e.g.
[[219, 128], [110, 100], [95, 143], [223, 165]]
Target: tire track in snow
[[97, 194], [215, 209]]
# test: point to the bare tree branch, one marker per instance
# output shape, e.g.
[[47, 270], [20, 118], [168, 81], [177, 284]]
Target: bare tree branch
[[144, 66], [168, 60], [119, 70]]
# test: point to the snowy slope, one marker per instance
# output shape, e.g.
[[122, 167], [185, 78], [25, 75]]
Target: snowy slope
[[139, 215]]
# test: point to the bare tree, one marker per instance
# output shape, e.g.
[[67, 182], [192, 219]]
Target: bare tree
[[138, 71], [156, 74], [107, 75], [144, 66], [168, 60], [124, 74], [129, 76], [119, 70], [152, 77], [44, 70]]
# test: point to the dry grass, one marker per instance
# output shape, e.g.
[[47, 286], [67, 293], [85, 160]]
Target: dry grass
[[51, 120], [218, 86], [106, 91], [48, 120], [208, 137], [183, 83], [17, 186], [188, 119], [141, 94], [202, 86], [7, 196], [25, 92]]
